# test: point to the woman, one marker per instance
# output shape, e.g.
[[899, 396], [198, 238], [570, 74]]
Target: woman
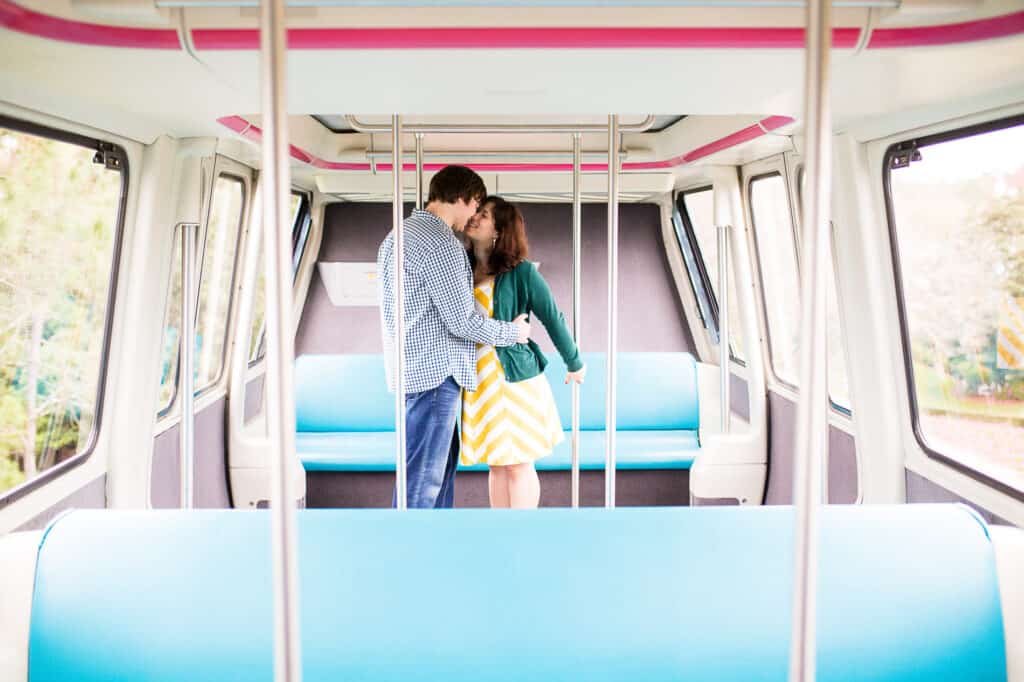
[[511, 420]]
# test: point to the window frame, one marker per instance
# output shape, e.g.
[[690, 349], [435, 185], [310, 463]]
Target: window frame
[[243, 215], [237, 174], [304, 217], [8, 497], [684, 240], [749, 189], [705, 279], [918, 142]]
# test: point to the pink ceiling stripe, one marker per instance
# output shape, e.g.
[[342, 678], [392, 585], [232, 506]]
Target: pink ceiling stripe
[[520, 38], [17, 18], [254, 134], [949, 34]]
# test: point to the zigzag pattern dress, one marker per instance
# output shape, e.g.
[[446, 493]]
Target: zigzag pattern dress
[[506, 423]]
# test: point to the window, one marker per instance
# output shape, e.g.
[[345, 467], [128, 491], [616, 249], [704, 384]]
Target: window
[[701, 290], [217, 267], [172, 328], [61, 207], [956, 212], [302, 220], [697, 211], [780, 278], [838, 379]]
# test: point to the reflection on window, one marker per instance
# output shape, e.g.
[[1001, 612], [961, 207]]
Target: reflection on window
[[218, 251], [172, 330], [301, 220], [221, 246], [780, 280], [58, 226], [958, 219], [699, 207]]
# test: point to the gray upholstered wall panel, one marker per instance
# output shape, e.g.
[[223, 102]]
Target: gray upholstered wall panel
[[842, 473], [781, 427], [922, 490], [91, 496], [253, 397], [211, 476], [651, 317], [842, 467], [739, 396]]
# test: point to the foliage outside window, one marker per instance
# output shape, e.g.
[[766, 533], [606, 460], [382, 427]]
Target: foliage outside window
[[957, 214], [59, 215], [217, 266]]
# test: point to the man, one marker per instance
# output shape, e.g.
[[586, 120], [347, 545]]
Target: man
[[442, 328]]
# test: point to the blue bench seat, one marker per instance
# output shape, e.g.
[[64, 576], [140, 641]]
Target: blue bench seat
[[375, 451], [906, 594], [345, 415]]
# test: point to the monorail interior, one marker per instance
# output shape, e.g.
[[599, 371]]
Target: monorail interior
[[127, 127]]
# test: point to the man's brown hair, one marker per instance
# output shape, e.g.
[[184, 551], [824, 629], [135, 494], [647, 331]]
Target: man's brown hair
[[452, 183]]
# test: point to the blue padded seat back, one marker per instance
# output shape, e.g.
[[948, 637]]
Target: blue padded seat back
[[342, 393], [905, 594], [656, 391]]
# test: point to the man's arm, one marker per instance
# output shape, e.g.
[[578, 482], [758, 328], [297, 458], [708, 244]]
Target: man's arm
[[447, 278]]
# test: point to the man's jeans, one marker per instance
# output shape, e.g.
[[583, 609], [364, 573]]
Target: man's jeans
[[431, 446]]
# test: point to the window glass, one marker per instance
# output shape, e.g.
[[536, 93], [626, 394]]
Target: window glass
[[780, 279], [699, 208], [300, 221], [215, 288], [958, 222], [59, 212], [218, 256]]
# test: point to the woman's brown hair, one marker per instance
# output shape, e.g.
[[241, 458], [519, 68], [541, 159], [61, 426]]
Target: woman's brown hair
[[510, 247]]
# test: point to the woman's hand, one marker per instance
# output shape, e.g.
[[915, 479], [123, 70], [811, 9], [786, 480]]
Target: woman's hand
[[576, 376]]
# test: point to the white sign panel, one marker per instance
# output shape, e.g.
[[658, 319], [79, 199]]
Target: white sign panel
[[350, 284]]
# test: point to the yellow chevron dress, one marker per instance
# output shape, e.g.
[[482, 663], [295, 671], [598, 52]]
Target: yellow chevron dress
[[506, 423]]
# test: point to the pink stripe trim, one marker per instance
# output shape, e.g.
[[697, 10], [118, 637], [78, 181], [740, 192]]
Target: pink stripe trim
[[949, 34], [519, 38], [16, 18], [254, 134]]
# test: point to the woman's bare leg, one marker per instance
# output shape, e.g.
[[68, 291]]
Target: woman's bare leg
[[497, 487], [523, 486]]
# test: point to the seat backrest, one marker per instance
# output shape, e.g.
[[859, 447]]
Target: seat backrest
[[904, 593], [656, 391], [342, 393]]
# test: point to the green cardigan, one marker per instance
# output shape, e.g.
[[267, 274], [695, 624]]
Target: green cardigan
[[523, 290]]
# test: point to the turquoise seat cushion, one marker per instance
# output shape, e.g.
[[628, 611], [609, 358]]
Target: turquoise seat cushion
[[656, 391], [375, 451], [905, 594], [338, 393]]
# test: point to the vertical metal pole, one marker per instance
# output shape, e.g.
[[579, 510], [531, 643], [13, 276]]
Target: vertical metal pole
[[723, 322], [811, 425], [280, 342], [577, 303], [419, 170], [396, 219], [186, 364], [613, 306]]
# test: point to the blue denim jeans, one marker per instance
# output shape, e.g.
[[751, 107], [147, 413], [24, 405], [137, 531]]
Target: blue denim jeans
[[431, 446]]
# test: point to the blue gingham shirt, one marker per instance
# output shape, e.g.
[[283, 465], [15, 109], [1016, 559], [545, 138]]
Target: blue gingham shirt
[[442, 326]]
